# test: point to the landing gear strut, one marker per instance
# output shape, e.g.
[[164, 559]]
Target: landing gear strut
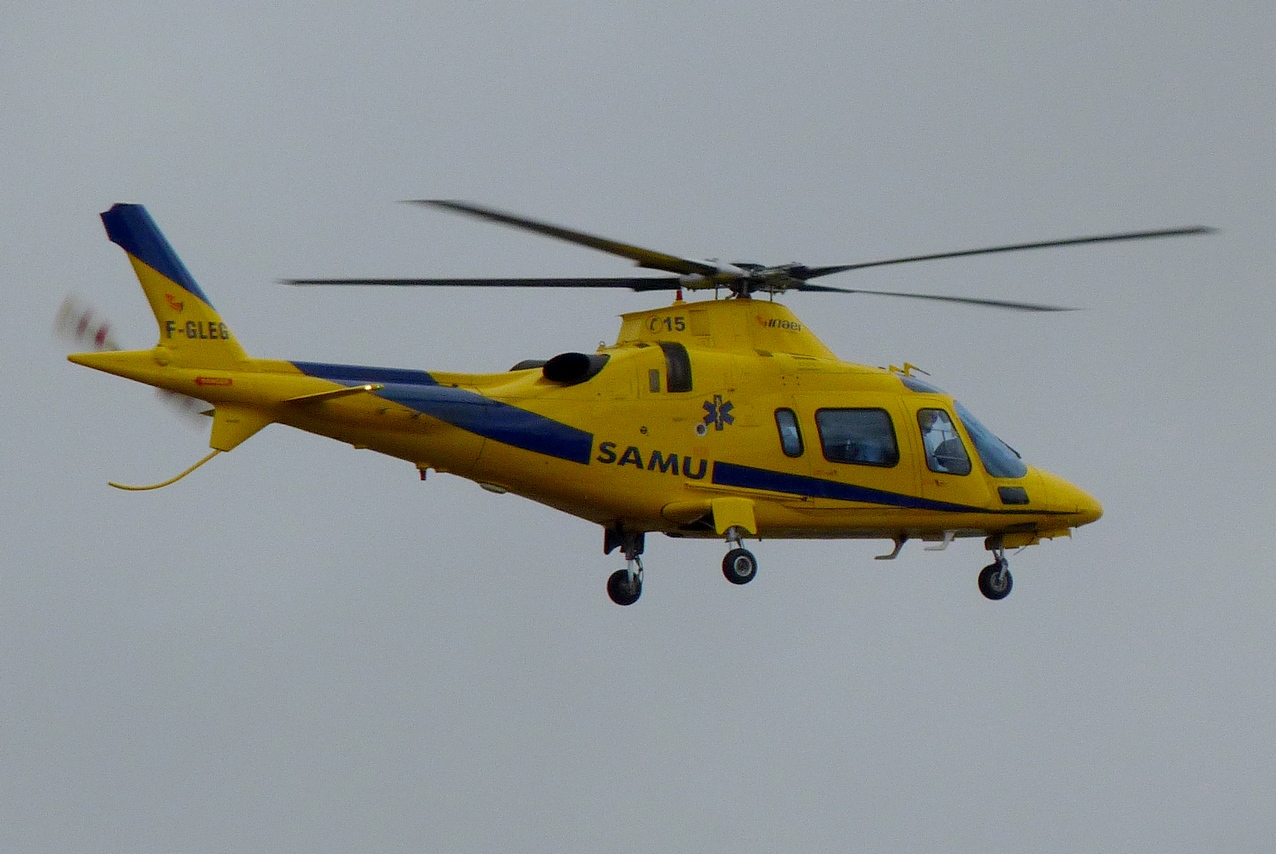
[[739, 566], [625, 585], [995, 581]]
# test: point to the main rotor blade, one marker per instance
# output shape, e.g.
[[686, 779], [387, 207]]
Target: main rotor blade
[[634, 283], [994, 303], [644, 257], [641, 284], [815, 272]]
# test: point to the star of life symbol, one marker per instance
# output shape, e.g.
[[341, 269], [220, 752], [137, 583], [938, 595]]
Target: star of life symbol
[[717, 413]]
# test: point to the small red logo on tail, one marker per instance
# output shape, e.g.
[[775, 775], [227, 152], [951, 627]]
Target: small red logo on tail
[[174, 303]]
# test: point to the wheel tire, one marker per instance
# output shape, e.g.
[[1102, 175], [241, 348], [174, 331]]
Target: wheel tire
[[995, 583], [739, 566], [621, 590]]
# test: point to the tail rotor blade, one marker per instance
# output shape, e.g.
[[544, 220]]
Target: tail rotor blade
[[80, 324]]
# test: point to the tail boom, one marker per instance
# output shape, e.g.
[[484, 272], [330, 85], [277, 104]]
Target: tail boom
[[197, 356]]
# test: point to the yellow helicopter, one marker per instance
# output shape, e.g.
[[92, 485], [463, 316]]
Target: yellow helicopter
[[723, 418]]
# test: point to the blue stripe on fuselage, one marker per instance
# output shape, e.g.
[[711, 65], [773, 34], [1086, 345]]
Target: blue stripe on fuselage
[[747, 477], [466, 410], [494, 420]]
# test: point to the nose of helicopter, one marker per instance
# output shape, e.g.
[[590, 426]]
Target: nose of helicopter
[[1081, 507]]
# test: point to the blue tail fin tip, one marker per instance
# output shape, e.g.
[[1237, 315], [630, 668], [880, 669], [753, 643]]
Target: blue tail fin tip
[[133, 230]]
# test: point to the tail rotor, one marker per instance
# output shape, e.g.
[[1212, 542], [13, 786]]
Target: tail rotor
[[80, 324]]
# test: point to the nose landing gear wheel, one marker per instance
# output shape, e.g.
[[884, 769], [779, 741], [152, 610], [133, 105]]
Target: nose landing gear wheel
[[624, 588], [995, 581], [739, 566]]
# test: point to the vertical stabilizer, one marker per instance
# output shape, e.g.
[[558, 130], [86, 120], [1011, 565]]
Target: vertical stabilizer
[[189, 327]]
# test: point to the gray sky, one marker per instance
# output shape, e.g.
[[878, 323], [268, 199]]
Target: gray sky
[[302, 648]]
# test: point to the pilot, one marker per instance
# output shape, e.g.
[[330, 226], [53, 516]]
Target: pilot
[[934, 437], [944, 450], [931, 434]]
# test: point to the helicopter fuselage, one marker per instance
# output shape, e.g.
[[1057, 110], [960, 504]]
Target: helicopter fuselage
[[694, 403]]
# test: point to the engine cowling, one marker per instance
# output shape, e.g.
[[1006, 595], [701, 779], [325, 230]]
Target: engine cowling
[[574, 368]]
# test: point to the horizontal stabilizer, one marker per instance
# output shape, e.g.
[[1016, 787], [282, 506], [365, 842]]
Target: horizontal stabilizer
[[335, 393]]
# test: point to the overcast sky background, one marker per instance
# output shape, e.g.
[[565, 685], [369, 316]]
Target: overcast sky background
[[303, 648]]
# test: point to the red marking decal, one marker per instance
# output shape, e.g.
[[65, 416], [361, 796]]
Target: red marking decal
[[174, 303], [214, 381]]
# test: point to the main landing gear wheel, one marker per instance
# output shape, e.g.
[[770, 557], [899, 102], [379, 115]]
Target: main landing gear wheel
[[739, 566], [623, 587], [995, 581]]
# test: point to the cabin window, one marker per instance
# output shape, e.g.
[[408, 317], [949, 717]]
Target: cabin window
[[945, 452], [861, 436], [653, 380], [677, 367], [790, 433]]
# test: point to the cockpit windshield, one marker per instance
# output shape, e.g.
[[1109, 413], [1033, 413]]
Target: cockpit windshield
[[998, 458]]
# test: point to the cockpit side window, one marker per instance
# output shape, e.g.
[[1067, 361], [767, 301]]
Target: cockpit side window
[[677, 366], [790, 434], [860, 436], [945, 452]]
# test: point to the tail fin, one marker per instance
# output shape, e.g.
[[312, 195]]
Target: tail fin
[[189, 327]]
